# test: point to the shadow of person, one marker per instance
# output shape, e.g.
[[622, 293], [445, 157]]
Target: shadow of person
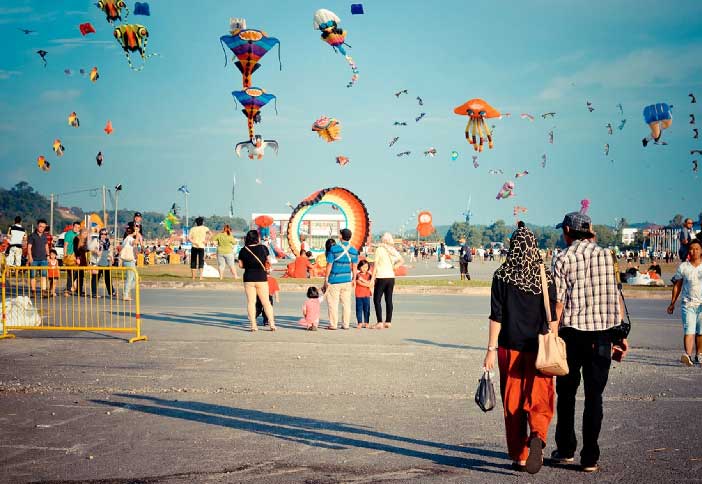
[[313, 432]]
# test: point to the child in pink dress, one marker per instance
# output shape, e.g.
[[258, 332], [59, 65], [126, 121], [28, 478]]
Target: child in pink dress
[[310, 310]]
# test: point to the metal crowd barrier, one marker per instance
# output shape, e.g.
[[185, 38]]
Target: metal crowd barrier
[[80, 299]]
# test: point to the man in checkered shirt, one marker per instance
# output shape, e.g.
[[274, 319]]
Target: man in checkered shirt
[[588, 306]]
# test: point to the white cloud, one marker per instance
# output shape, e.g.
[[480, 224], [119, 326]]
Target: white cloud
[[60, 95], [8, 74], [70, 43], [642, 68]]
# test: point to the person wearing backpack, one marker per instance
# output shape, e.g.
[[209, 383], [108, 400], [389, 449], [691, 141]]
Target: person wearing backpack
[[466, 256]]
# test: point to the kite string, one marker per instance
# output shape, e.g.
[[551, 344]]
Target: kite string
[[280, 63], [221, 42]]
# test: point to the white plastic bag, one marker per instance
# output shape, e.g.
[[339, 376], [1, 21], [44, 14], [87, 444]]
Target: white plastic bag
[[21, 312]]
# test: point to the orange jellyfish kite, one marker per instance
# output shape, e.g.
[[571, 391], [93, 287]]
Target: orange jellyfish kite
[[477, 111]]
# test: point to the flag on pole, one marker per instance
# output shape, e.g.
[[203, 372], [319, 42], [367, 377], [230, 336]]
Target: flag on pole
[[184, 189]]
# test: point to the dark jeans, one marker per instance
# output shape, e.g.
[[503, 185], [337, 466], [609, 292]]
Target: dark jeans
[[464, 268], [591, 352], [197, 258], [260, 311], [95, 278], [362, 310], [383, 286]]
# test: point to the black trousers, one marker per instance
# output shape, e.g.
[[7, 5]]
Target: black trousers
[[95, 278], [589, 352], [197, 258], [260, 311], [383, 287]]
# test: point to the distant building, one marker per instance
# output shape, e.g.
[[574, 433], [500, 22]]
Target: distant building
[[628, 236]]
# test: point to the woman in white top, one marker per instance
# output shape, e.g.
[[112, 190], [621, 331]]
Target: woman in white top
[[387, 259], [128, 259]]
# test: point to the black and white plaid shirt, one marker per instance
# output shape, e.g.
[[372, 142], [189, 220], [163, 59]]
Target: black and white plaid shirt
[[586, 285]]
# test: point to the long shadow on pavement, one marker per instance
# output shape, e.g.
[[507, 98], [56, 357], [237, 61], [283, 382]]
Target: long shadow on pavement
[[238, 322], [443, 345], [307, 431]]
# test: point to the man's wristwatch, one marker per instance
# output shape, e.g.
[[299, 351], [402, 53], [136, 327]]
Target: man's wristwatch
[[492, 348]]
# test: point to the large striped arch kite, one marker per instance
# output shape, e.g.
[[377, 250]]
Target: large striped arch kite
[[349, 205]]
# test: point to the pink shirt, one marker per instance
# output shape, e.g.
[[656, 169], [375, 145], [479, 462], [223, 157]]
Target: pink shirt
[[311, 309]]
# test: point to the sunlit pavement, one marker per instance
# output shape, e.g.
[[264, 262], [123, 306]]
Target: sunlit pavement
[[206, 401]]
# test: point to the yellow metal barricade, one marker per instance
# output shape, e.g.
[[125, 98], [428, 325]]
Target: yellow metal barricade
[[71, 299]]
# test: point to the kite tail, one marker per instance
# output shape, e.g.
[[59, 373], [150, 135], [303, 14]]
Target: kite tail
[[354, 70], [275, 105], [250, 123], [280, 63], [221, 42]]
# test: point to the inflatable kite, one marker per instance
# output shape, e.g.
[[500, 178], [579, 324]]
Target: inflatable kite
[[351, 207], [248, 46], [73, 120], [342, 160], [454, 155], [108, 127], [506, 191], [253, 99], [113, 9], [133, 38], [658, 117], [58, 147], [425, 223], [328, 22], [169, 222], [43, 164], [142, 8], [519, 209], [477, 110], [328, 129], [256, 147], [584, 206]]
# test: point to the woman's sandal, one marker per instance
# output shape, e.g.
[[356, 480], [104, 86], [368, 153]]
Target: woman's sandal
[[387, 325], [272, 327], [253, 329], [378, 326]]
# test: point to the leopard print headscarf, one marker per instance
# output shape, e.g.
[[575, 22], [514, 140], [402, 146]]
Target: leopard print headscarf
[[521, 268]]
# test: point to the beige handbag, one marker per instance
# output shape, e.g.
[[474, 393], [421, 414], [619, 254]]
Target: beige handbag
[[551, 359]]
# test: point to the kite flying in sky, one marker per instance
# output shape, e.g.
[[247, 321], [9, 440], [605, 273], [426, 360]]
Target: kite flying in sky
[[328, 22], [73, 120], [256, 147], [477, 111], [42, 54], [658, 117], [249, 46], [252, 100], [328, 129], [133, 38], [43, 164], [112, 9]]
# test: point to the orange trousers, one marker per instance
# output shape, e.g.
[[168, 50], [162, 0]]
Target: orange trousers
[[527, 398]]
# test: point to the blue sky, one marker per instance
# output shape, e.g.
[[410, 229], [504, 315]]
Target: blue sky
[[175, 122]]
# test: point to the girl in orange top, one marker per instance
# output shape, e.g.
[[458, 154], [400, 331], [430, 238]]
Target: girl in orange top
[[53, 272], [363, 294]]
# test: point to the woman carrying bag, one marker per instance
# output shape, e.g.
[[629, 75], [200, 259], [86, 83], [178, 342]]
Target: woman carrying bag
[[253, 258], [387, 259], [517, 317]]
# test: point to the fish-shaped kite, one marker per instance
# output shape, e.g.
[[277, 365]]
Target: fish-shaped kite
[[621, 124], [399, 123], [404, 153], [418, 118], [73, 120], [393, 141], [43, 164], [398, 93], [328, 22], [521, 174], [548, 115], [58, 147]]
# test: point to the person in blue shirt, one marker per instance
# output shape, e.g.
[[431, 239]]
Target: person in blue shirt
[[341, 279]]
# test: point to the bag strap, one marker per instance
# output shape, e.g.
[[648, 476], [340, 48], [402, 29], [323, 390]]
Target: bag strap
[[345, 252], [544, 291], [255, 257]]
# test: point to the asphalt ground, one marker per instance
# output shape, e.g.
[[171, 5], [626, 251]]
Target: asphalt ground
[[206, 401]]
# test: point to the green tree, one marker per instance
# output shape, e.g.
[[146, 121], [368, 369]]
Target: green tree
[[677, 220], [606, 237]]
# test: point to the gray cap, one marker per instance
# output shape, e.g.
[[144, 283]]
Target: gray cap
[[577, 221]]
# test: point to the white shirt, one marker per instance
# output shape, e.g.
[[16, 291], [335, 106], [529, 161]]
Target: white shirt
[[692, 283]]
